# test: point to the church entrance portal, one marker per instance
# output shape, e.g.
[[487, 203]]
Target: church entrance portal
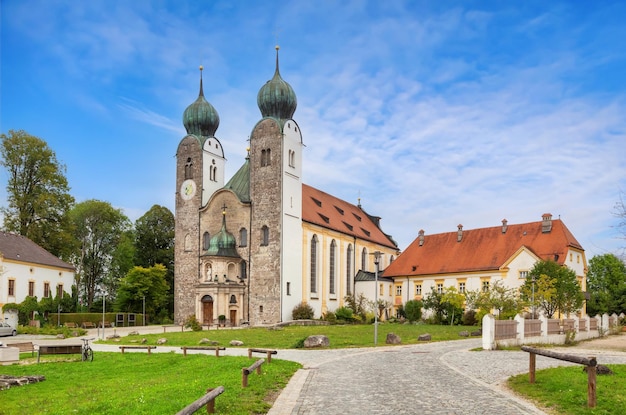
[[233, 317], [207, 310]]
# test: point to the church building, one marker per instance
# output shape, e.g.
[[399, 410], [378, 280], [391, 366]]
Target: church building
[[250, 249]]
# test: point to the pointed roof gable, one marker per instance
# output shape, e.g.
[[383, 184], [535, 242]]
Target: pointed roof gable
[[327, 211], [21, 249], [482, 249]]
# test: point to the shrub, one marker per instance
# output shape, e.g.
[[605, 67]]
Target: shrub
[[193, 323], [469, 318], [413, 310], [345, 314], [330, 317], [302, 311], [299, 344]]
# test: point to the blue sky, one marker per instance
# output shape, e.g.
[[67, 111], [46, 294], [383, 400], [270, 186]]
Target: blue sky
[[433, 113]]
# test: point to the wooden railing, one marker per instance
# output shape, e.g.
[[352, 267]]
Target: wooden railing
[[590, 363], [207, 401]]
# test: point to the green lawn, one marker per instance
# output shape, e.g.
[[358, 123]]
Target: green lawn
[[563, 390], [138, 383], [164, 383], [359, 335]]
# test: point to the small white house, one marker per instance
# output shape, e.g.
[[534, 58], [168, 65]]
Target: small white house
[[26, 269]]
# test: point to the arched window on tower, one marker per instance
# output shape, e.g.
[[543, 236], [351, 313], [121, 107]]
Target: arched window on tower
[[265, 235], [292, 158], [263, 158], [214, 173], [364, 259], [243, 237], [314, 264], [349, 270], [243, 270], [188, 169], [331, 271], [206, 238]]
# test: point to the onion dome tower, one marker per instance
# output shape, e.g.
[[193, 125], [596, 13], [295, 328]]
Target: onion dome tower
[[276, 98], [223, 243], [200, 118]]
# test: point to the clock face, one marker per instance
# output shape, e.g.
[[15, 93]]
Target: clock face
[[188, 189]]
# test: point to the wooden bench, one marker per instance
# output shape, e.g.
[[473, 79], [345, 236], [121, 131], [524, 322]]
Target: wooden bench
[[247, 370], [71, 325], [267, 352], [148, 348], [182, 327], [88, 325], [24, 347], [107, 324], [59, 349], [216, 348]]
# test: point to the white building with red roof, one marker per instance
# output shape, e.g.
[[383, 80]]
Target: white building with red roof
[[26, 269], [475, 259]]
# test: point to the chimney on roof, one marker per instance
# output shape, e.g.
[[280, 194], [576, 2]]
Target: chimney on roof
[[504, 225], [421, 236], [459, 233], [546, 224]]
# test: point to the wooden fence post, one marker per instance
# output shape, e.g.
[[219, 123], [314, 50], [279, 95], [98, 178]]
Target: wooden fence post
[[591, 385], [531, 367]]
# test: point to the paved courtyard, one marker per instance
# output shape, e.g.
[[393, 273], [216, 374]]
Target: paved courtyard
[[429, 378]]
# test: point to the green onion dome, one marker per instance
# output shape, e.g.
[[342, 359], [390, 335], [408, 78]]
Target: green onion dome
[[276, 98], [200, 118]]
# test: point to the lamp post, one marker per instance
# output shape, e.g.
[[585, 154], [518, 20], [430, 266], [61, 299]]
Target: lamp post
[[533, 297], [376, 262], [104, 300], [144, 310], [59, 315]]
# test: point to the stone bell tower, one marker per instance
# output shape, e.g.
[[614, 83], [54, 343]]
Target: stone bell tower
[[199, 172], [276, 194]]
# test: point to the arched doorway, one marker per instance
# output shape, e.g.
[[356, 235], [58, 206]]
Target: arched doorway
[[207, 310]]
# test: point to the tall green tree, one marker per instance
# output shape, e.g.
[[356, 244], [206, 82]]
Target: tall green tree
[[98, 228], [122, 261], [556, 288], [37, 192], [606, 285], [154, 244], [143, 284]]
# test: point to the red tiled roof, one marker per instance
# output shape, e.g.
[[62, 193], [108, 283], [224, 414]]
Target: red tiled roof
[[19, 248], [481, 249], [330, 212]]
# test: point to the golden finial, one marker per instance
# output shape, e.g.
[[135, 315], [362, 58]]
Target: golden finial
[[277, 47], [201, 68]]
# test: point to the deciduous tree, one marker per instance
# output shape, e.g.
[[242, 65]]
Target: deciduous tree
[[98, 228], [556, 288], [606, 284], [154, 244], [140, 283], [37, 192]]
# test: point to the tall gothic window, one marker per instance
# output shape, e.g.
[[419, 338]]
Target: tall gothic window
[[265, 236], [314, 264], [206, 238], [243, 237], [243, 271], [331, 274], [364, 259], [349, 270]]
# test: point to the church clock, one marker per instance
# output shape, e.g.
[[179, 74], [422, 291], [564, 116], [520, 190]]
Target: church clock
[[188, 189]]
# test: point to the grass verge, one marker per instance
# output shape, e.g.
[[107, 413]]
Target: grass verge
[[291, 337], [137, 383], [563, 390]]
